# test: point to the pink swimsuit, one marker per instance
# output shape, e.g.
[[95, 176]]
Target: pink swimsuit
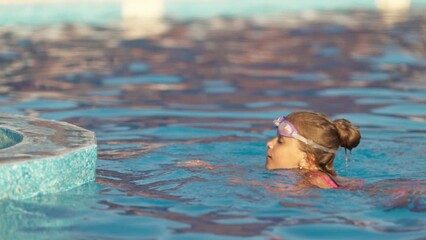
[[346, 184], [328, 180]]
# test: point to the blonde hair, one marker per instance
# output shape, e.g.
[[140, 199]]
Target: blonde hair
[[322, 130]]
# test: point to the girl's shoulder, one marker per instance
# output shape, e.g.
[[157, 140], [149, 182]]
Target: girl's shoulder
[[320, 179], [323, 180]]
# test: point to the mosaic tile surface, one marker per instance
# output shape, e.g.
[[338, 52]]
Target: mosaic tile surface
[[42, 156]]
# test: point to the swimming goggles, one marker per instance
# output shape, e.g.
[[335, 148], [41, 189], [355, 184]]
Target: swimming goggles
[[287, 129]]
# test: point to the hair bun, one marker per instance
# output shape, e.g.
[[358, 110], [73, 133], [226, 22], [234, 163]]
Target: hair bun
[[349, 135]]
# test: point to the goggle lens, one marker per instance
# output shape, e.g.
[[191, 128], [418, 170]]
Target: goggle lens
[[285, 128]]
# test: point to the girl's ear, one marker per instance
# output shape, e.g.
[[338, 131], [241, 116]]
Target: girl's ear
[[311, 160], [304, 162], [308, 161]]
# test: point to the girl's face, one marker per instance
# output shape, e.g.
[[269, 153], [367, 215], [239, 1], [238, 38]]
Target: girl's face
[[283, 153]]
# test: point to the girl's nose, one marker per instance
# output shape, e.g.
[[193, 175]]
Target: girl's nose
[[270, 144]]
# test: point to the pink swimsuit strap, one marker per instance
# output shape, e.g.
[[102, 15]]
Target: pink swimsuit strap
[[326, 179]]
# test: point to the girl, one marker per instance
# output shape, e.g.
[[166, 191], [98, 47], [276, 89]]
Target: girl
[[308, 141]]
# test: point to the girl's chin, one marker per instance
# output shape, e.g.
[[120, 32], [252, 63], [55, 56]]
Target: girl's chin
[[269, 166], [268, 163]]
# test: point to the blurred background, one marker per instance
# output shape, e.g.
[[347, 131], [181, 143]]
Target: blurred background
[[107, 11]]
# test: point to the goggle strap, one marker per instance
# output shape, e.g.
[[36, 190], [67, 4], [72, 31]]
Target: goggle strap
[[313, 144]]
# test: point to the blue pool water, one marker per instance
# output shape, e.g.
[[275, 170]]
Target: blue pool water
[[208, 89]]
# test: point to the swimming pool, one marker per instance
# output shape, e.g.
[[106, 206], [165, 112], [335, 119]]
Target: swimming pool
[[209, 89]]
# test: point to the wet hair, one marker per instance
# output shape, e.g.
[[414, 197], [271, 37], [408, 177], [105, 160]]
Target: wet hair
[[322, 130]]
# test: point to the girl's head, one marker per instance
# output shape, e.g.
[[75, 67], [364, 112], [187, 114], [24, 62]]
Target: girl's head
[[309, 140]]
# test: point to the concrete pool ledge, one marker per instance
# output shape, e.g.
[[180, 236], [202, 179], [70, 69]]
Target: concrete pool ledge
[[39, 156]]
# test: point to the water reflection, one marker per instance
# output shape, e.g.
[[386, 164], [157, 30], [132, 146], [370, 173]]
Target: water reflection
[[46, 216], [142, 18], [393, 11]]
